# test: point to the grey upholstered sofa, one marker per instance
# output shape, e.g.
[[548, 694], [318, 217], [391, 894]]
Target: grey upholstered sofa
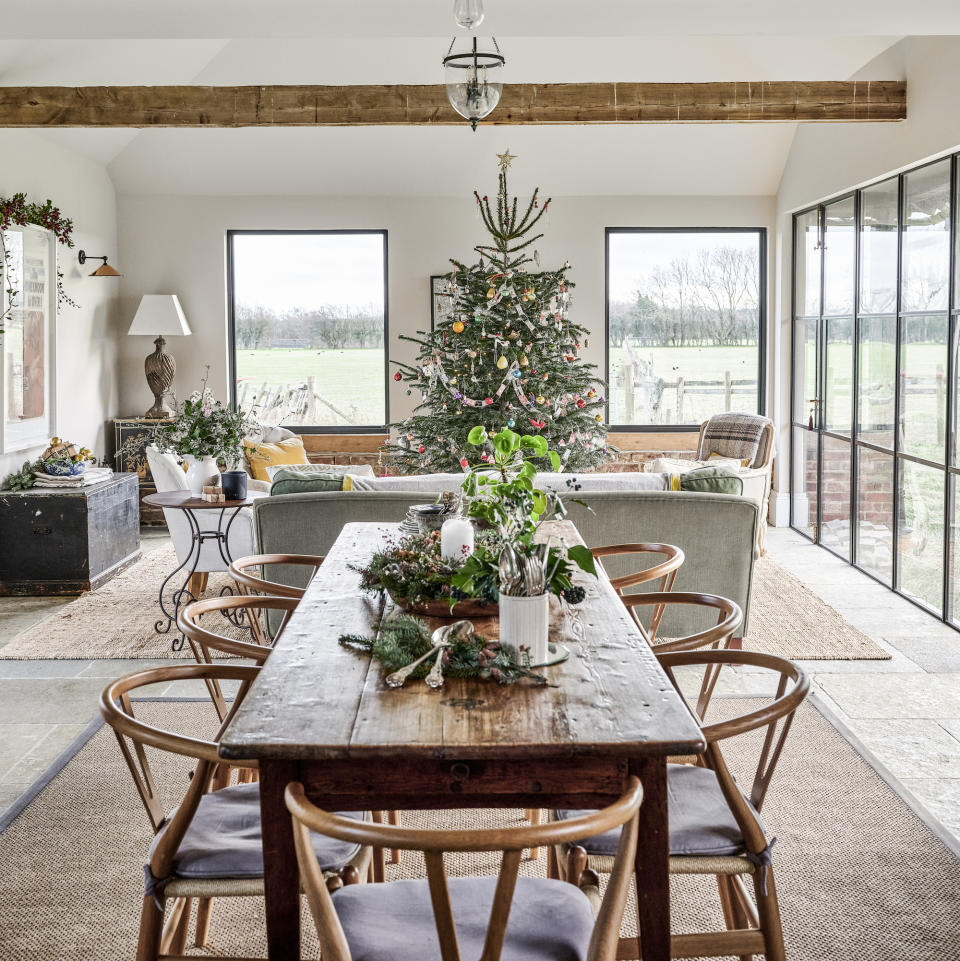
[[717, 532]]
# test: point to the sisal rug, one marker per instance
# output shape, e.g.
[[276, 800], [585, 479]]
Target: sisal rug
[[117, 621], [860, 877], [788, 619]]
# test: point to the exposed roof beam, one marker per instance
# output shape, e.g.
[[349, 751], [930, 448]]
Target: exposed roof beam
[[555, 103]]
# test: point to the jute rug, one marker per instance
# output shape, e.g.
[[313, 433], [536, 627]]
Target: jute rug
[[118, 619], [860, 877]]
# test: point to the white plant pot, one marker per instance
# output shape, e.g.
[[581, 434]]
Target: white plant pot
[[201, 472], [525, 622]]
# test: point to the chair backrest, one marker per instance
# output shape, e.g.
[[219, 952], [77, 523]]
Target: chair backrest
[[729, 617], [134, 735], [434, 843], [738, 435], [167, 473], [665, 571], [252, 608], [249, 582], [776, 717]]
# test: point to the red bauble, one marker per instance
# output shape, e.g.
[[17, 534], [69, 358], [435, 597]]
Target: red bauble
[[581, 404], [421, 449], [398, 376], [464, 463], [487, 401]]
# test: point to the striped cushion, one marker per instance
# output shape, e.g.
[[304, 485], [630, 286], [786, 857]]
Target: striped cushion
[[733, 435]]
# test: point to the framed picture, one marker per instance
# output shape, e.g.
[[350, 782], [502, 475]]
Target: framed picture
[[441, 300], [27, 372]]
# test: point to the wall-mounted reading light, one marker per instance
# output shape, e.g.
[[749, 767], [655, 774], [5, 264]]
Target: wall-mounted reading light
[[104, 270]]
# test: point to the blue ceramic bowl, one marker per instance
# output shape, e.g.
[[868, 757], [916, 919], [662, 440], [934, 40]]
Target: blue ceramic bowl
[[59, 468]]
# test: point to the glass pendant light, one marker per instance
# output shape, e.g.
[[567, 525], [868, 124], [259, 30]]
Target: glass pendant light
[[473, 77], [468, 13]]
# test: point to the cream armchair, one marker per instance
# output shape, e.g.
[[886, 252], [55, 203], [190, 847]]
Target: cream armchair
[[168, 475]]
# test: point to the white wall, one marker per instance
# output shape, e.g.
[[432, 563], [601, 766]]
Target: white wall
[[87, 386], [177, 245], [828, 159]]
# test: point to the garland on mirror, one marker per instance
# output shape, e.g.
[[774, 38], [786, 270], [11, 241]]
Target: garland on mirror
[[401, 639], [17, 211]]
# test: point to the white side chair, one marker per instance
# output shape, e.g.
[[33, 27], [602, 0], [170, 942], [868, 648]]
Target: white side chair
[[168, 475]]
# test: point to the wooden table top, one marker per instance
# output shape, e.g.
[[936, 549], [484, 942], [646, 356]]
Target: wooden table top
[[316, 699], [184, 500]]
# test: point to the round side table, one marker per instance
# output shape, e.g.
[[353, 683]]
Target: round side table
[[190, 504]]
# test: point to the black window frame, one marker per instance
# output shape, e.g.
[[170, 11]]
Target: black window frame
[[231, 329], [761, 233], [950, 471]]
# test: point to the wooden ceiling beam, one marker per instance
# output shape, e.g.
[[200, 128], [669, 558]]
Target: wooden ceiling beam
[[523, 103]]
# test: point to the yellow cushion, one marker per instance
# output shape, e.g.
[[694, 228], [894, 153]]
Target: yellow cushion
[[261, 456], [347, 482]]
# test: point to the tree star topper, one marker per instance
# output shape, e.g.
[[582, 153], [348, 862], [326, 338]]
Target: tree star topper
[[505, 158]]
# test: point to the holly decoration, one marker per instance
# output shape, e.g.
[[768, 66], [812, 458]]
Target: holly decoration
[[17, 211], [506, 355]]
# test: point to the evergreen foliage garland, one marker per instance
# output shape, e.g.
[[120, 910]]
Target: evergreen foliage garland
[[506, 356]]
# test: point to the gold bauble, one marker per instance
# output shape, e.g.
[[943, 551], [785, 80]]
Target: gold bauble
[[599, 418], [541, 399], [491, 293], [458, 326], [502, 363], [523, 360]]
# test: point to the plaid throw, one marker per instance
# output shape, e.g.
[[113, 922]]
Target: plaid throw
[[733, 435]]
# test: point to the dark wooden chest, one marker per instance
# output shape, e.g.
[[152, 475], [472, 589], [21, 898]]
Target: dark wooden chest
[[70, 541], [130, 437]]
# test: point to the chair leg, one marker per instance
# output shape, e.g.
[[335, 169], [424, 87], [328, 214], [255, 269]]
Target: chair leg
[[576, 864], [769, 910], [535, 817], [393, 817], [733, 916], [151, 929], [204, 906], [553, 863], [171, 930], [736, 644]]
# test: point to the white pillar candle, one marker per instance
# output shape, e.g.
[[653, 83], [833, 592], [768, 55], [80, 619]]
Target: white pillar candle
[[456, 538]]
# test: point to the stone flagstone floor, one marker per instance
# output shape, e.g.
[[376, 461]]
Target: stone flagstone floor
[[905, 711]]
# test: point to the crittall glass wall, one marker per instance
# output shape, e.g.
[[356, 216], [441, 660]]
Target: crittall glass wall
[[874, 457]]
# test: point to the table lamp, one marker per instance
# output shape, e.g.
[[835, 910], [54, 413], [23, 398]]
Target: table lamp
[[160, 314]]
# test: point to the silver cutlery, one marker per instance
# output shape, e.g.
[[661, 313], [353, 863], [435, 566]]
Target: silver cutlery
[[439, 638], [510, 573], [435, 678]]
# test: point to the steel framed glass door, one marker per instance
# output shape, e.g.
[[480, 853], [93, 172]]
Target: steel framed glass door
[[874, 464]]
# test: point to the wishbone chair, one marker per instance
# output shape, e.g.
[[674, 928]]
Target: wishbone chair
[[209, 845], [248, 582], [441, 919], [715, 826]]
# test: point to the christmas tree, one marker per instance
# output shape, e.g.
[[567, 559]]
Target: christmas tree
[[505, 355]]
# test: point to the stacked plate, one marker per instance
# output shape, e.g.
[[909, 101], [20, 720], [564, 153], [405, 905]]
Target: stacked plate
[[422, 518]]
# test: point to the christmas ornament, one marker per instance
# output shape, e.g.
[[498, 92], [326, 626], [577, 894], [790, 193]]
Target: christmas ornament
[[398, 376], [517, 374], [523, 360], [502, 362], [458, 326], [540, 399], [421, 449], [599, 418], [464, 463], [487, 401], [511, 423], [491, 293], [591, 393], [581, 403]]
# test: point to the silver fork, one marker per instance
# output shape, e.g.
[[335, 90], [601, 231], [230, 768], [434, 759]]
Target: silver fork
[[439, 638]]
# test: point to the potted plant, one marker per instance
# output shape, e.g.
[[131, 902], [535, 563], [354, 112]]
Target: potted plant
[[203, 432], [499, 492]]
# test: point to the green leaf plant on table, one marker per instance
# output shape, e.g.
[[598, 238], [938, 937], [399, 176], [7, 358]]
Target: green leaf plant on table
[[499, 492]]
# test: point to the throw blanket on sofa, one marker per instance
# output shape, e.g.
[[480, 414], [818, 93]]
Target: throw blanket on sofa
[[435, 483]]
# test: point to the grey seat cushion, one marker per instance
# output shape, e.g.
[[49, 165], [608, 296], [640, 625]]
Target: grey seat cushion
[[700, 819], [224, 840], [549, 920]]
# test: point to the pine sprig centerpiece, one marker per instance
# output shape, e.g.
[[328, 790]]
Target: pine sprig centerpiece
[[401, 639], [507, 355]]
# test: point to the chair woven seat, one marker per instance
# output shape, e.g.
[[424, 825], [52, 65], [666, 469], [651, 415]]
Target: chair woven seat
[[224, 840], [701, 822], [548, 921]]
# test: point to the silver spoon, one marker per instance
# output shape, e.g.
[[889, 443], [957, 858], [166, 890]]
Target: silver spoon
[[439, 638], [435, 677], [509, 566]]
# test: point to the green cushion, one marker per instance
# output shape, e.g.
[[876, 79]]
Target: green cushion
[[711, 480], [307, 479]]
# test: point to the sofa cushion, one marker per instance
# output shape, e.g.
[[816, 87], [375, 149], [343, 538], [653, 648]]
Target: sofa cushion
[[712, 480], [304, 478], [563, 483], [260, 454]]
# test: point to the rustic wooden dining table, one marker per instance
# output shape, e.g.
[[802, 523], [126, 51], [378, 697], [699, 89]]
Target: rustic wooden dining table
[[320, 713]]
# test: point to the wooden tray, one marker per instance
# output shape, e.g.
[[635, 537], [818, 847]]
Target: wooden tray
[[441, 608]]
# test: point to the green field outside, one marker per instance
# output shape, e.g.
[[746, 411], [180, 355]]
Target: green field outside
[[351, 380], [693, 364]]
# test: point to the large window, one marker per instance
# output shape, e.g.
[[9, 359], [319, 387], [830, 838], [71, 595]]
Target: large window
[[874, 456], [308, 327], [685, 322]]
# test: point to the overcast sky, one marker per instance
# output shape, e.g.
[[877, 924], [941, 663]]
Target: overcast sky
[[633, 256], [283, 271]]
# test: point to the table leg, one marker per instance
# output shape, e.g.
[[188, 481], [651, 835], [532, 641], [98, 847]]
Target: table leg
[[281, 877], [652, 867]]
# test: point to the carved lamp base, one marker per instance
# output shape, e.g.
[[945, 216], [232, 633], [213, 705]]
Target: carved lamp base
[[160, 368]]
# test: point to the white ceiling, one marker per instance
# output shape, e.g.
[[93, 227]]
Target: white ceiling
[[388, 41]]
